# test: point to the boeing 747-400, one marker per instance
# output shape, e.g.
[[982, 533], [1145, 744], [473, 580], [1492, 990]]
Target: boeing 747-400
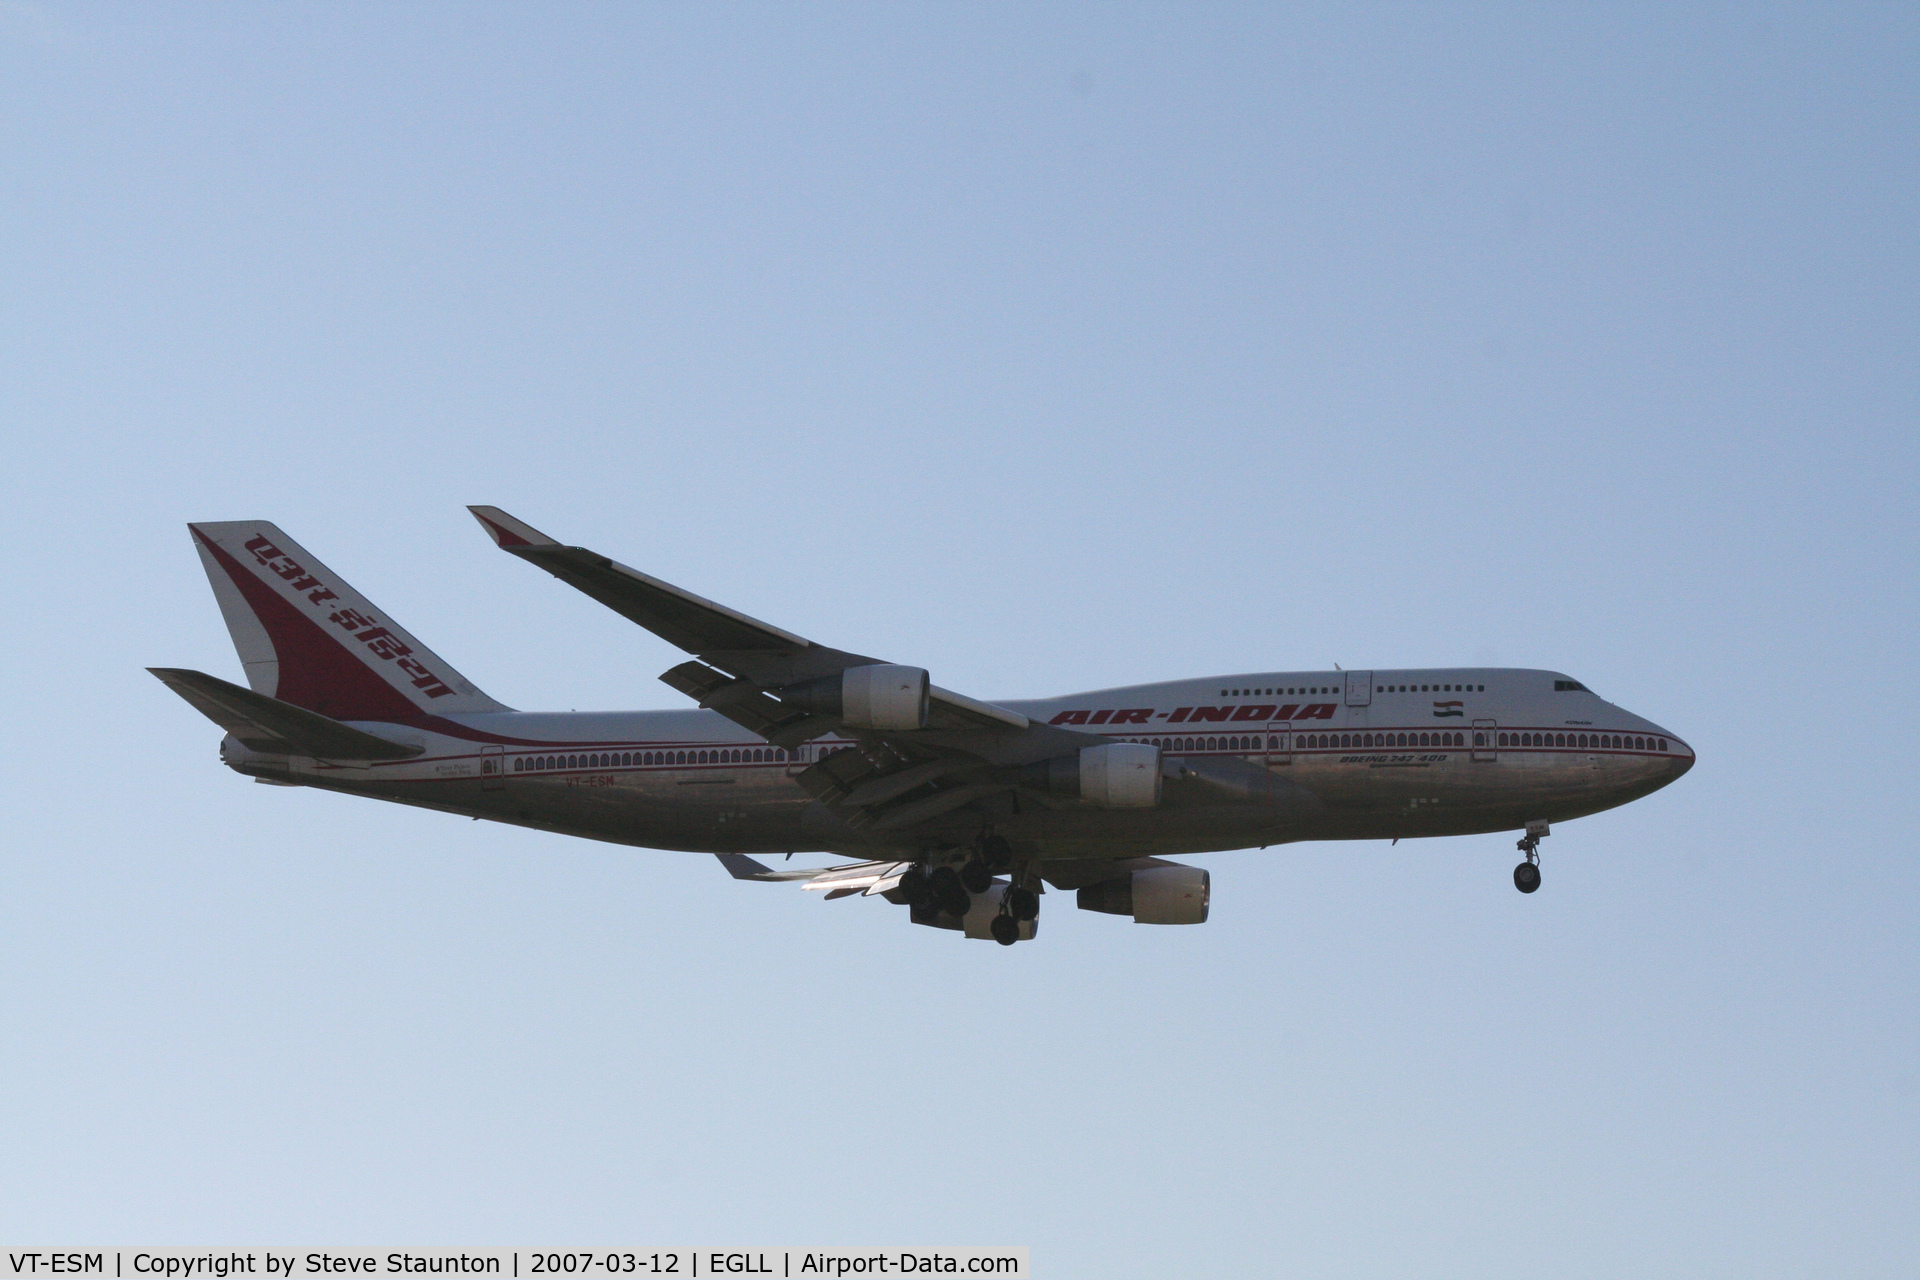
[[961, 810]]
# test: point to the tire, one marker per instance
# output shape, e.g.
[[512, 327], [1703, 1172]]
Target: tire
[[914, 888], [1005, 930], [975, 877], [948, 893], [1526, 877], [1024, 904]]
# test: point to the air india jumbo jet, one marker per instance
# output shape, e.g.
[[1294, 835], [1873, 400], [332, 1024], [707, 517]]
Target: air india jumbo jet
[[960, 810]]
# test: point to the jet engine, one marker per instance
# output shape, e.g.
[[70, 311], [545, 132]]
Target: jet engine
[[879, 696], [1115, 775], [1157, 895]]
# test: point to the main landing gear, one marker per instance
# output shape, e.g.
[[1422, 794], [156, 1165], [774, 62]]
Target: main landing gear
[[950, 889], [1019, 905], [1526, 876]]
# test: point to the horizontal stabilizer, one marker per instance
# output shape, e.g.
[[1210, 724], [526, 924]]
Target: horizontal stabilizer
[[270, 725], [741, 867]]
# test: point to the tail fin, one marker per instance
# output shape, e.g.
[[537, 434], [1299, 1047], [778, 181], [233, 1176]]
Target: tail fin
[[307, 638]]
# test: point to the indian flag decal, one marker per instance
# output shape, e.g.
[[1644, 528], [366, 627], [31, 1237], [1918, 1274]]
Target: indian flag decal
[[1448, 709]]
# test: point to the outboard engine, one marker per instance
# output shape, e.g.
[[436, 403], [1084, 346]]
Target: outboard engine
[[878, 696]]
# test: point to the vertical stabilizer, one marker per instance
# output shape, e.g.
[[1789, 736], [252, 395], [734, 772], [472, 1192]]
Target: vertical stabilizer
[[307, 638]]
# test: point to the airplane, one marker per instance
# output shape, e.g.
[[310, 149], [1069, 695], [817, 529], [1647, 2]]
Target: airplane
[[961, 810]]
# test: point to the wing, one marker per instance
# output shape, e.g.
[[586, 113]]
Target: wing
[[757, 675]]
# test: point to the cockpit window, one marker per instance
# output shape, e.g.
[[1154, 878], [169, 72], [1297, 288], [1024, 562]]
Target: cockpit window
[[1570, 686]]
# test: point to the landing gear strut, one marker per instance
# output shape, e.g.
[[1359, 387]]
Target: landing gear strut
[[1019, 903], [1526, 876]]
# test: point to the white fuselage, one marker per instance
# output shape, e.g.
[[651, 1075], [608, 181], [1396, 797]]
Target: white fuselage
[[1249, 760]]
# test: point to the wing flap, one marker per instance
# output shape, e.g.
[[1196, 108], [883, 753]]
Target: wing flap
[[855, 878], [747, 705]]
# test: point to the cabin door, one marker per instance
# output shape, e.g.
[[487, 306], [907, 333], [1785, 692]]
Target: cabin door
[[1280, 742], [1486, 739], [493, 768]]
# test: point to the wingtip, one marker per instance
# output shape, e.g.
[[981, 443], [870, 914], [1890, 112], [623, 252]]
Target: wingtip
[[508, 532]]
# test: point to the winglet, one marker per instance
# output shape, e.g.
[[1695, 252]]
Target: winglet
[[507, 532]]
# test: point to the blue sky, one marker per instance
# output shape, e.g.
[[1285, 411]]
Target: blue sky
[[1049, 348]]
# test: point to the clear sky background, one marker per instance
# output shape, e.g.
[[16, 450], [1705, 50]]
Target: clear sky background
[[1048, 348]]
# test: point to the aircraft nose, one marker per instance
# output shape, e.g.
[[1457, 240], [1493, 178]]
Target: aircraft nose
[[1680, 761]]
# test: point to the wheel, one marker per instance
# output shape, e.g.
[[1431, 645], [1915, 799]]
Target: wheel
[[948, 893], [1023, 903], [1526, 877], [913, 886], [976, 877], [1005, 930]]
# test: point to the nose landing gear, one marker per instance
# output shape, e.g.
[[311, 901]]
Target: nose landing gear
[[1526, 876]]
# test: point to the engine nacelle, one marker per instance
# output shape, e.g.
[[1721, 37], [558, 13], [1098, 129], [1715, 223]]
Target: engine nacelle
[[1114, 775], [878, 696], [1157, 895]]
